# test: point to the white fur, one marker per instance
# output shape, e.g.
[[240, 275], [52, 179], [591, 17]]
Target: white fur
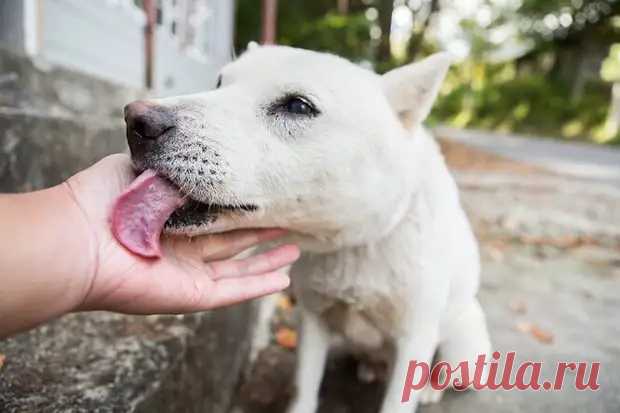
[[389, 256]]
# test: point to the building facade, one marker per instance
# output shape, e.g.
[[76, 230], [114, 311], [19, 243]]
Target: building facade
[[106, 38]]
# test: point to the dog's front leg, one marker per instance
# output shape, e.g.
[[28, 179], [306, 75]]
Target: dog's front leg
[[311, 357], [418, 344]]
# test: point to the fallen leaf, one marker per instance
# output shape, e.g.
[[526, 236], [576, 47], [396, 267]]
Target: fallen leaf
[[541, 335], [285, 303], [499, 244], [2, 359], [561, 242], [496, 254], [538, 333], [524, 327], [286, 338], [518, 306]]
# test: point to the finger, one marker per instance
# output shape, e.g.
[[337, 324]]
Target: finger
[[266, 262], [216, 247], [97, 199], [229, 244], [234, 290], [174, 291], [121, 167]]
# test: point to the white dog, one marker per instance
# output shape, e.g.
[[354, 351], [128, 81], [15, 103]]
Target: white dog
[[336, 154]]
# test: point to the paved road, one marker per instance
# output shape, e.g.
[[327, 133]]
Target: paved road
[[578, 159]]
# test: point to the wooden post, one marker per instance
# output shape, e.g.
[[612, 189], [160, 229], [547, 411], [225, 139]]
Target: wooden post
[[269, 21], [343, 7], [150, 9]]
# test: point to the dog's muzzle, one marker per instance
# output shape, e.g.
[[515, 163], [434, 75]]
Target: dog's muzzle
[[147, 125]]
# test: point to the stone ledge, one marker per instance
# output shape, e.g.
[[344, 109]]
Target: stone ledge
[[26, 83], [38, 150], [100, 362]]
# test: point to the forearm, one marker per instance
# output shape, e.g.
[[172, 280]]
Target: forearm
[[57, 255], [44, 254]]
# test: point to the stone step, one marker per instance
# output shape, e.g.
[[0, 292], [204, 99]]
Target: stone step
[[39, 150], [101, 362], [37, 85]]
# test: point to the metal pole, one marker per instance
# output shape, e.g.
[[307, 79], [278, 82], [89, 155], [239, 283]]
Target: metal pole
[[150, 10], [269, 21]]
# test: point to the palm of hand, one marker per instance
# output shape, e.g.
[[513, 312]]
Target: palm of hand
[[193, 274]]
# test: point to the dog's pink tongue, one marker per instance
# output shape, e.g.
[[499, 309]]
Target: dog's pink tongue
[[141, 212]]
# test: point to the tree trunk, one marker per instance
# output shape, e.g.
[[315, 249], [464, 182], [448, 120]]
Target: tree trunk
[[386, 8], [343, 6], [416, 42], [150, 9]]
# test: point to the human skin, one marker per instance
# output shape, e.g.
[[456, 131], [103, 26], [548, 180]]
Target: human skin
[[58, 255]]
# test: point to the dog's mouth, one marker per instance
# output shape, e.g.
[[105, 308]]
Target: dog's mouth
[[153, 204], [199, 214]]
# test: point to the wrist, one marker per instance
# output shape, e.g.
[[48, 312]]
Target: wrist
[[83, 242], [45, 271]]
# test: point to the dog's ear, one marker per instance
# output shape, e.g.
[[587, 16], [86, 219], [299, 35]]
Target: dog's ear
[[412, 89], [252, 45]]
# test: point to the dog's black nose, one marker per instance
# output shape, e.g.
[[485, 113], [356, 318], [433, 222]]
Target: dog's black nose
[[146, 122]]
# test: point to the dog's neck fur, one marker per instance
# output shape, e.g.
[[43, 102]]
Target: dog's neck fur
[[331, 278], [425, 172]]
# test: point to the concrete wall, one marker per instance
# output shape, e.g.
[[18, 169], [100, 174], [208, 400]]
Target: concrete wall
[[220, 30], [105, 38], [53, 90], [12, 25], [38, 151], [98, 37], [177, 73]]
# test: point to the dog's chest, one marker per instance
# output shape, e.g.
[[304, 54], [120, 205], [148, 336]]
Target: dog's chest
[[358, 292]]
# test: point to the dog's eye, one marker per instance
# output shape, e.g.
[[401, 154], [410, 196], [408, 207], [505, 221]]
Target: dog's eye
[[297, 105], [293, 106]]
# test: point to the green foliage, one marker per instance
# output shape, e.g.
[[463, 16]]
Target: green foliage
[[314, 25], [539, 93], [542, 7], [496, 97], [610, 71], [248, 23], [347, 36], [537, 98]]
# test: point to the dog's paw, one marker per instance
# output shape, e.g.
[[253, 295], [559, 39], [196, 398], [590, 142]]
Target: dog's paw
[[429, 395], [301, 407], [366, 373]]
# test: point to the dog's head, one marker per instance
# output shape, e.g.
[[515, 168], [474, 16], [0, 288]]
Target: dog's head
[[290, 138]]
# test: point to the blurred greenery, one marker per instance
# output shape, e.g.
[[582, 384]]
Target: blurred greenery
[[542, 67], [314, 25], [496, 97]]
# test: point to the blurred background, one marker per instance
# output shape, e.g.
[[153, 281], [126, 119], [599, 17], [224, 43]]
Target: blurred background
[[543, 67], [546, 211], [539, 67]]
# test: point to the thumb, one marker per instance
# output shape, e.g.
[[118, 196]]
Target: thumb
[[115, 169], [96, 187]]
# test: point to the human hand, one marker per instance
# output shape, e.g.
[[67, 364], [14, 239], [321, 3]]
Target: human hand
[[194, 274]]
